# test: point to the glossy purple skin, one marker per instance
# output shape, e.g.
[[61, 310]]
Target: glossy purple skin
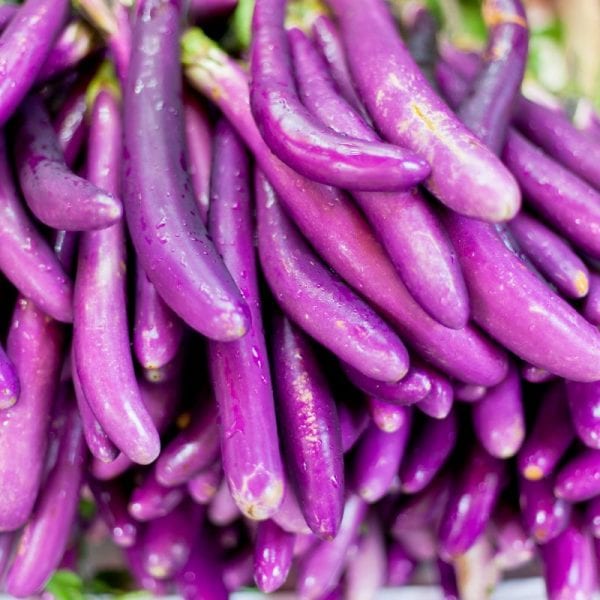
[[555, 134], [321, 567], [427, 453], [24, 46], [151, 500], [569, 564], [309, 424], [101, 333], [339, 233], [365, 572], [469, 393], [70, 123], [584, 405], [413, 387], [439, 401], [543, 514], [170, 240], [331, 47], [240, 369], [591, 304], [7, 12], [26, 259], [488, 109], [76, 42], [579, 478], [168, 541], [320, 303], [289, 516], [273, 555], [353, 420], [517, 309], [563, 199], [400, 566], [10, 387], [377, 458], [447, 580], [223, 510], [300, 140], [112, 507], [133, 556], [471, 502], [592, 516], [466, 176], [199, 142], [550, 437], [406, 225], [552, 256], [387, 416], [157, 331], [203, 486], [44, 539], [193, 449], [498, 418], [35, 346], [534, 374], [55, 195], [421, 39]]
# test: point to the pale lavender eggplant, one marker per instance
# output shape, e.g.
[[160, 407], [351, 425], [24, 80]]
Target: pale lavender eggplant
[[249, 441], [101, 334], [133, 556], [387, 416], [24, 46], [406, 225], [427, 453], [550, 437], [111, 501], [466, 392], [300, 140], [273, 555], [377, 458], [289, 516], [320, 303], [193, 449], [353, 419], [157, 330], [223, 510], [44, 539], [592, 516], [171, 242], [168, 540], [471, 502], [399, 565], [26, 259], [338, 231], [203, 486], [439, 401], [320, 569], [70, 122], [569, 564], [498, 418], [466, 176], [151, 500], [76, 42], [309, 423], [551, 255], [535, 374], [513, 545], [579, 478], [365, 572], [584, 405], [591, 304], [198, 137], [55, 195], [413, 387], [543, 514], [35, 347]]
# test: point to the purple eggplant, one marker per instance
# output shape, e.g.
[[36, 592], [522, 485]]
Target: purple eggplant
[[535, 374], [579, 478], [447, 580], [592, 516], [289, 516], [297, 138], [24, 46], [337, 230], [238, 569], [427, 453], [591, 303], [439, 401], [353, 419], [498, 418], [309, 423], [203, 486], [471, 502], [399, 565], [7, 12], [101, 336], [273, 554], [466, 392], [514, 547], [70, 122], [465, 176], [377, 458], [133, 556], [45, 536], [151, 500], [169, 237], [249, 442], [551, 255], [550, 437], [405, 223], [544, 515], [421, 40], [584, 405], [387, 416], [55, 195], [223, 510]]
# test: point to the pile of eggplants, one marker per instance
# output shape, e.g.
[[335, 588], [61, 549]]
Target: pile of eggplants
[[321, 315]]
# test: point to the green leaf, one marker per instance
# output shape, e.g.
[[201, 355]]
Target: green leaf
[[87, 509], [66, 585]]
